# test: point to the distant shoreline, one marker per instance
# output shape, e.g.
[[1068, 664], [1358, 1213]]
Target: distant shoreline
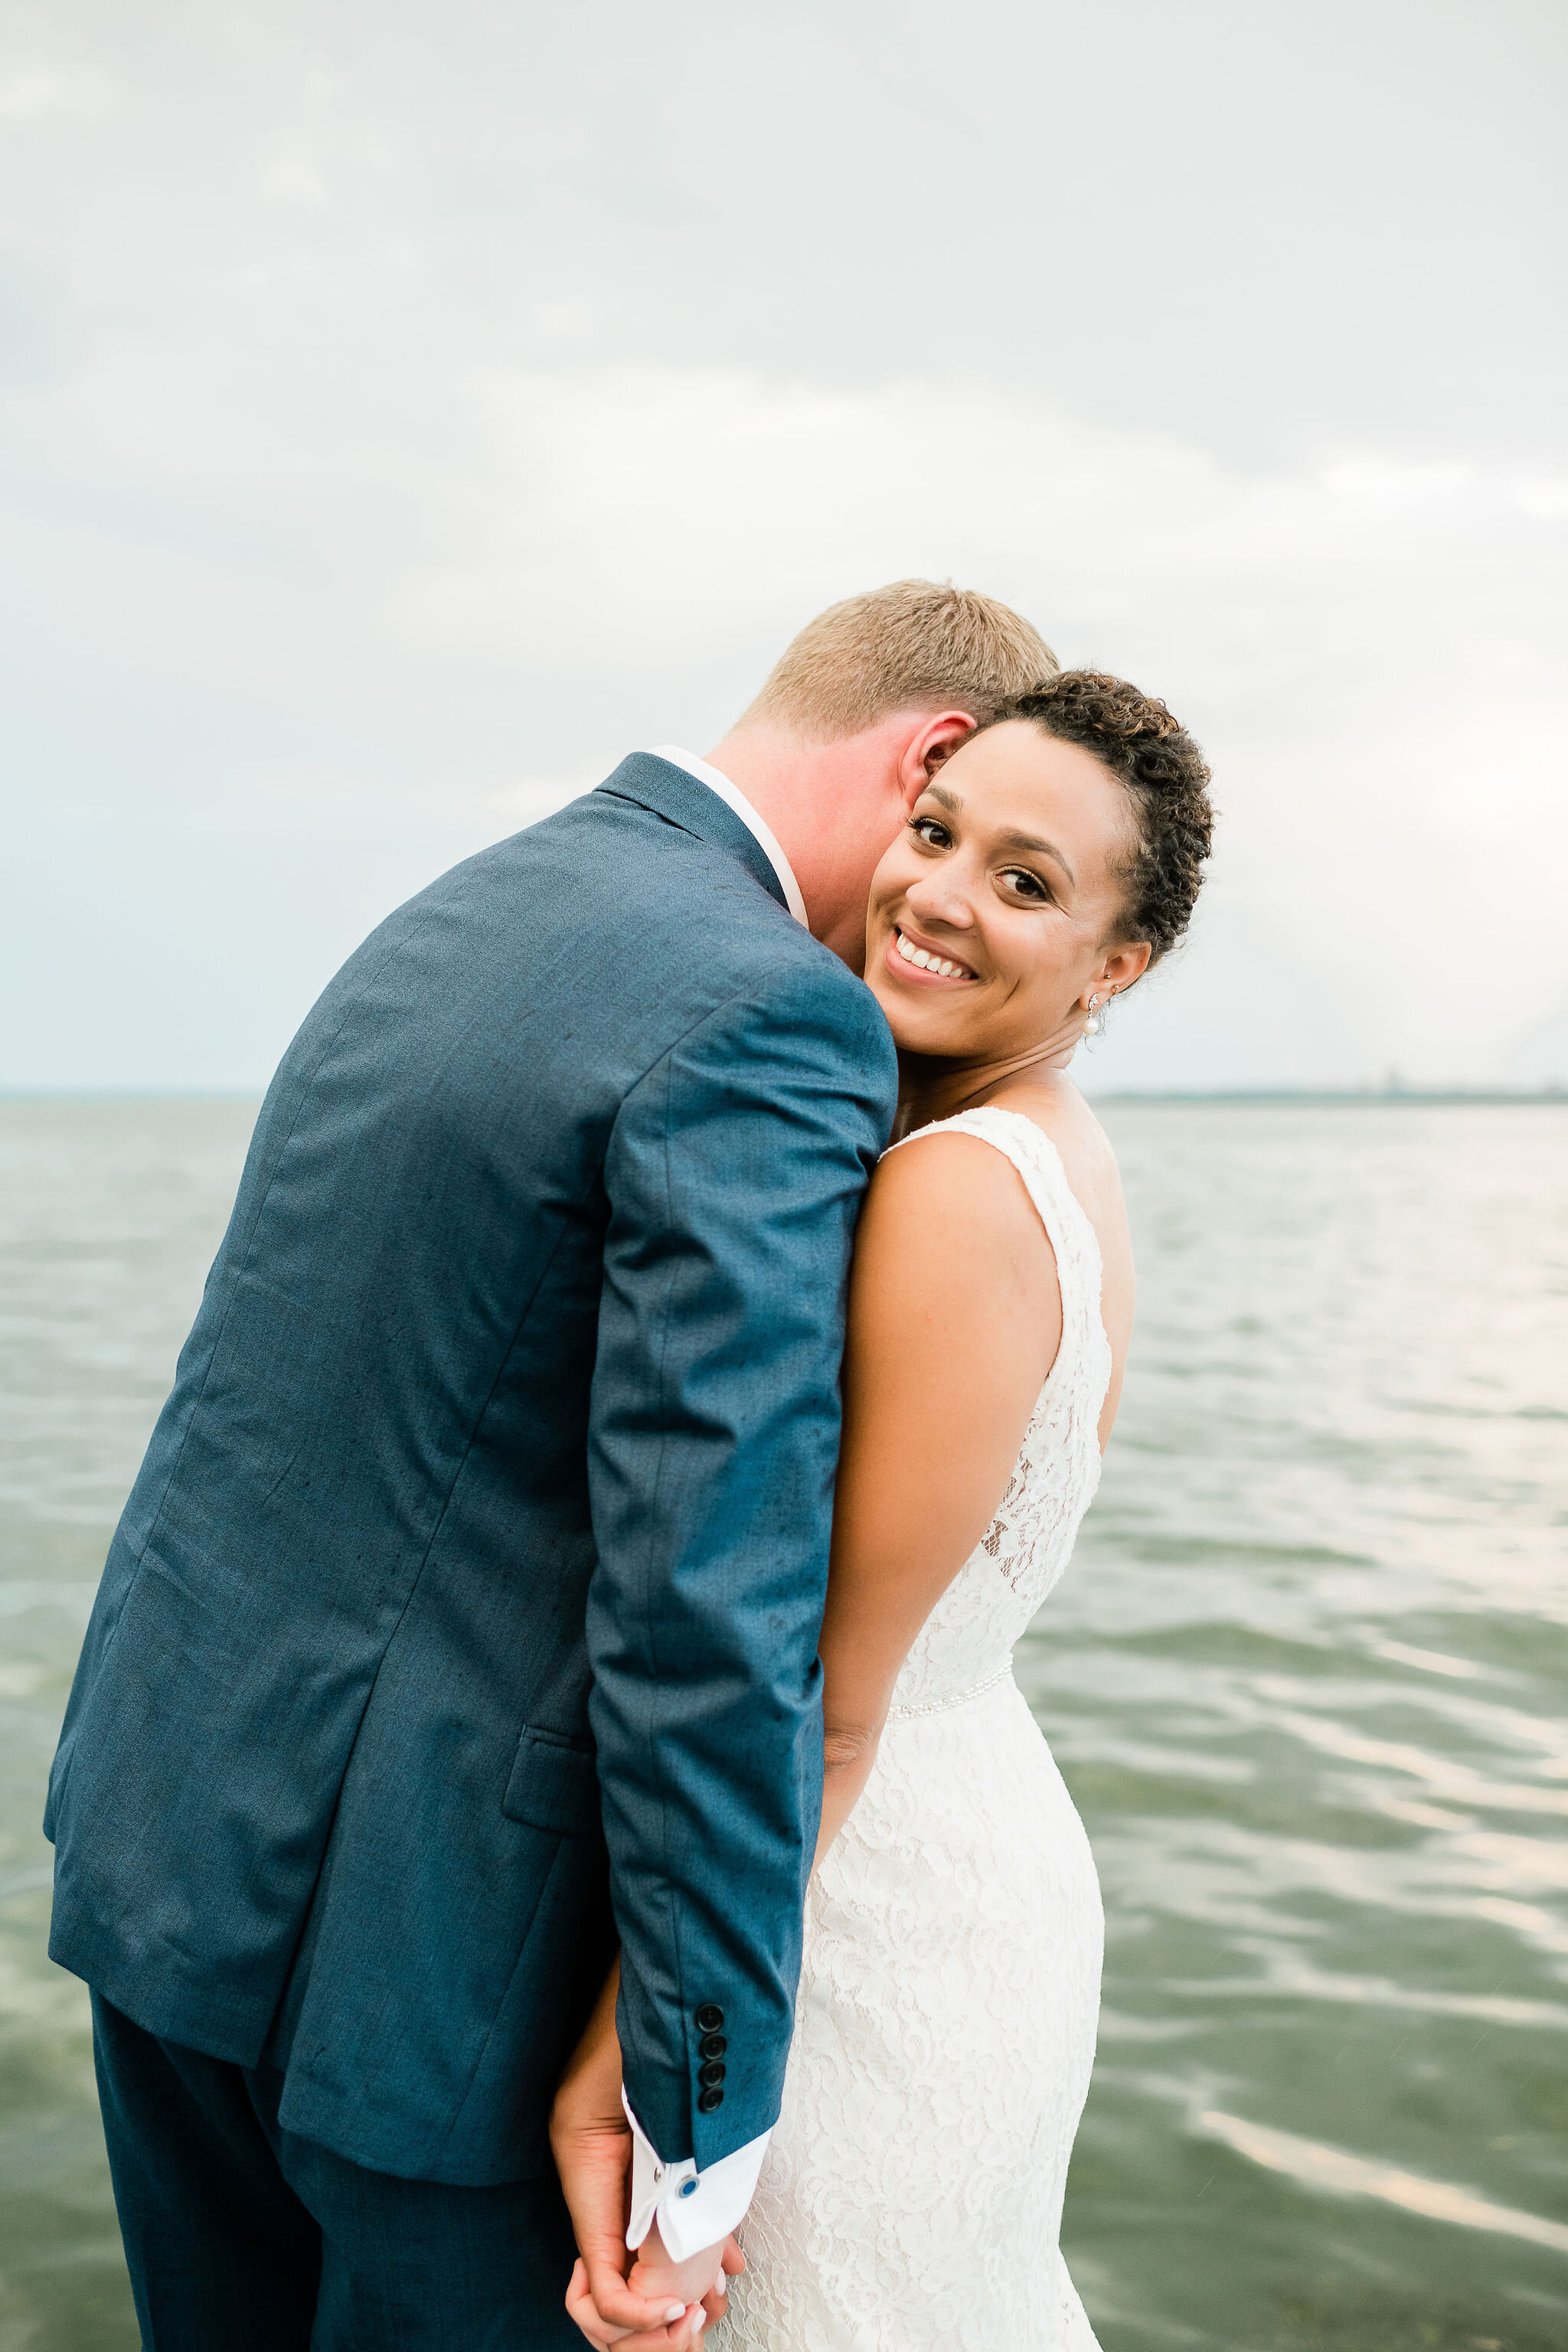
[[1348, 1098]]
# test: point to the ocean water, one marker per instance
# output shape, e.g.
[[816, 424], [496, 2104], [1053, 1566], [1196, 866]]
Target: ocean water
[[1306, 1679]]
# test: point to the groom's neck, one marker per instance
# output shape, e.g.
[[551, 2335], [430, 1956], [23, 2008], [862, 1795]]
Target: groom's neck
[[772, 770], [834, 807]]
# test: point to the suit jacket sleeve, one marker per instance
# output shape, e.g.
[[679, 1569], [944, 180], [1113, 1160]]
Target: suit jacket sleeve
[[734, 1174]]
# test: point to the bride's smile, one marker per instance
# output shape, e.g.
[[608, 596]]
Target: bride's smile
[[924, 960]]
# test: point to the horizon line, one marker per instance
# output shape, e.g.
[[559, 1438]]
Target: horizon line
[[1555, 1092]]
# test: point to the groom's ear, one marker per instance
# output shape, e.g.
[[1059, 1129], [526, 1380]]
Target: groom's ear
[[925, 752]]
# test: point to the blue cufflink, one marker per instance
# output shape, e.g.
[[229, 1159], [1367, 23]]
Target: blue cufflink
[[689, 2187]]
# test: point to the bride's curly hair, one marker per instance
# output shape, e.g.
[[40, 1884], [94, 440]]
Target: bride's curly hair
[[1166, 776]]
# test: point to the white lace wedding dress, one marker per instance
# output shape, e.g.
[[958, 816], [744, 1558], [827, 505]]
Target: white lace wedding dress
[[950, 1991]]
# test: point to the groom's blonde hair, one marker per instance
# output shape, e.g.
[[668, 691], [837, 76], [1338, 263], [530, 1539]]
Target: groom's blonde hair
[[918, 644]]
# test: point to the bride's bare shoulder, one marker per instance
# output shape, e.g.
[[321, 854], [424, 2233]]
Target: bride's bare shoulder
[[946, 1169], [950, 1253]]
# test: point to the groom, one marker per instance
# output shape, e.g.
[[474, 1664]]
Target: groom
[[461, 1624]]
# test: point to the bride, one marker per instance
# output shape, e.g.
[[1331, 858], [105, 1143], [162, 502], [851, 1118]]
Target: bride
[[945, 2025], [911, 2195]]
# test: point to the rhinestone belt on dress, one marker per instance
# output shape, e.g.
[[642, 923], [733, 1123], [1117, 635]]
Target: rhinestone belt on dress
[[959, 1698]]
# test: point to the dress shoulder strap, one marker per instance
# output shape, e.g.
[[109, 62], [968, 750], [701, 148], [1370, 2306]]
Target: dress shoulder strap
[[1066, 1220]]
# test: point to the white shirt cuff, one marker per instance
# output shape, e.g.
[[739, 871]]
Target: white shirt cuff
[[694, 2210]]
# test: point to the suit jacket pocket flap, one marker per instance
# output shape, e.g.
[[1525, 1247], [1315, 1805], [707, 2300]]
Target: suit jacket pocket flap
[[554, 1785]]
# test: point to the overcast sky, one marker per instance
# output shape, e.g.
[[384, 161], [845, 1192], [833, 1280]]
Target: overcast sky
[[406, 411]]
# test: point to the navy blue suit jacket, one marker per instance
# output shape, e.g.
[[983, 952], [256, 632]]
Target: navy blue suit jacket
[[471, 1588]]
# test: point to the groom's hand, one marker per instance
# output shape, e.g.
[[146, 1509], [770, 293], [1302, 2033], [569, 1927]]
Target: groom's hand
[[705, 2276], [682, 2335], [592, 2143], [695, 2289]]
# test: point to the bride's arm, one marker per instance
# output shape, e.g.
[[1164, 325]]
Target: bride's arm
[[954, 1321]]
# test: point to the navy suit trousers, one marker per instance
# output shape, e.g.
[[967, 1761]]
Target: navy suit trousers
[[242, 2237]]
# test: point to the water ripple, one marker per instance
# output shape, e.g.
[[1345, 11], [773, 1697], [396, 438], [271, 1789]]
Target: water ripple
[[1340, 2174]]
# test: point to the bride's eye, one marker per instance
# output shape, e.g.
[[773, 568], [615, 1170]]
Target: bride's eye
[[932, 831], [1027, 885]]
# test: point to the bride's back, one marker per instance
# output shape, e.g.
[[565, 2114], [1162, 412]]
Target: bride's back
[[965, 1643], [1051, 1100]]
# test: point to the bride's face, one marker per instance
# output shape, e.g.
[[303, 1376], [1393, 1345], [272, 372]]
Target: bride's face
[[1006, 881]]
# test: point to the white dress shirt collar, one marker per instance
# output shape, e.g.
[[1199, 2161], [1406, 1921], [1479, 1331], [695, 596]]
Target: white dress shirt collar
[[734, 798]]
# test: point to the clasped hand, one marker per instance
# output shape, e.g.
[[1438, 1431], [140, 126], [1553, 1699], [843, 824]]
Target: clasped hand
[[675, 2304], [651, 2304]]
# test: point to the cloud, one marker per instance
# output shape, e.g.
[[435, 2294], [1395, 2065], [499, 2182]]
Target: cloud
[[398, 434], [435, 637], [32, 93]]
